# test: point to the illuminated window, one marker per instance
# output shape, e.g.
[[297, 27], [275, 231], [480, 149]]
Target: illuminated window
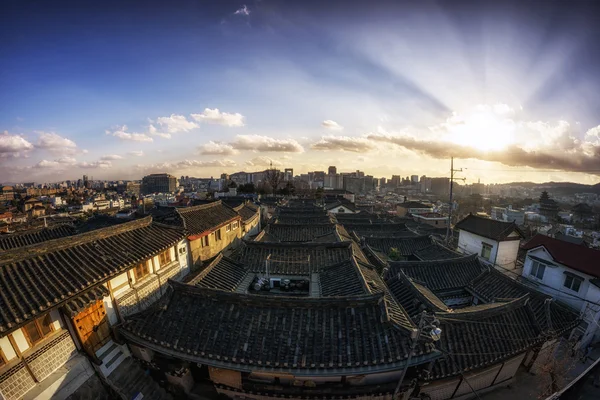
[[165, 257], [228, 228], [141, 270], [39, 329]]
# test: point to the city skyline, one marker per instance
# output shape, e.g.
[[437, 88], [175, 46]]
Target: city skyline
[[200, 89]]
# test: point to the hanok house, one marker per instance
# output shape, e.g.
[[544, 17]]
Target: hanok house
[[250, 214], [569, 273], [211, 228], [60, 298], [495, 242], [292, 320], [490, 323]]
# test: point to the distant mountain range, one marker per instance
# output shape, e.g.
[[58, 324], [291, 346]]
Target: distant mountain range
[[560, 188]]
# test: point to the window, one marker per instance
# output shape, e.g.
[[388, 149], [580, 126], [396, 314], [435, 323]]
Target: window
[[182, 250], [537, 270], [235, 225], [486, 250], [3, 359], [37, 330], [165, 257], [573, 282], [228, 228], [141, 270], [218, 234], [205, 241]]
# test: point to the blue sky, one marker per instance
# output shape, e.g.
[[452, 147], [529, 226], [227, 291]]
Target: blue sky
[[198, 88]]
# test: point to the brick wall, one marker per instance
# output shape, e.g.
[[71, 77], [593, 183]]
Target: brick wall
[[148, 291], [172, 271], [127, 302], [51, 356], [15, 382]]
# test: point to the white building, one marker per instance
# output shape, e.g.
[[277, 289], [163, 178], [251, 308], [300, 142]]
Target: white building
[[496, 242], [570, 273]]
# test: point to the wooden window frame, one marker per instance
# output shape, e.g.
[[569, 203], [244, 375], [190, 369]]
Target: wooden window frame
[[37, 325], [205, 241], [146, 268], [234, 225], [218, 234], [167, 255], [3, 359], [228, 228]]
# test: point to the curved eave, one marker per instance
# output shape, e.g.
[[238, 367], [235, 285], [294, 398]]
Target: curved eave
[[218, 362]]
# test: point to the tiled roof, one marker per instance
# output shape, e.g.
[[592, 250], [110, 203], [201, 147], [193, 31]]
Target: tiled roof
[[485, 338], [26, 238], [342, 279], [513, 320], [302, 219], [298, 233], [489, 228], [253, 331], [414, 204], [436, 252], [385, 229], [493, 285], [39, 277], [339, 203], [247, 211], [440, 274], [406, 246], [206, 217], [290, 258], [75, 306], [222, 273], [578, 257]]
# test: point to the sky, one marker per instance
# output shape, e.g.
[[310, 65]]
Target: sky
[[117, 90]]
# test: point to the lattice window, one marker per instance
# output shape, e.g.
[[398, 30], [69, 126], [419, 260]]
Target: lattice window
[[37, 330]]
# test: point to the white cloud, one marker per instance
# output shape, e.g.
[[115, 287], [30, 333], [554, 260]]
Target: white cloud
[[214, 116], [137, 153], [262, 161], [173, 124], [96, 164], [13, 145], [121, 133], [174, 167], [55, 143], [242, 11], [154, 132], [345, 143], [329, 124], [266, 144], [111, 157], [217, 148]]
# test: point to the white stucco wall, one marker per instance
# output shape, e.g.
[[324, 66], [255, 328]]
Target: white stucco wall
[[507, 254], [470, 243]]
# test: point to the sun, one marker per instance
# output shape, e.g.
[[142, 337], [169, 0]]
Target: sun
[[485, 128]]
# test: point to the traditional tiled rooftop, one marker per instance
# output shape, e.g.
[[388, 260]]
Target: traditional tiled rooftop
[[489, 228], [36, 278], [26, 238], [206, 217]]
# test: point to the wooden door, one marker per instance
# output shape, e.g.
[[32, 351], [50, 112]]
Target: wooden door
[[92, 327]]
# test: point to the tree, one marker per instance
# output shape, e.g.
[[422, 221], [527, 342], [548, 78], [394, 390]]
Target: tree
[[394, 254], [274, 177], [247, 188], [232, 185], [319, 193]]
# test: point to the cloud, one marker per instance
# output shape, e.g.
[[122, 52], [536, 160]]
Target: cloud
[[96, 164], [266, 144], [154, 132], [121, 133], [345, 143], [56, 144], [242, 11], [217, 148], [111, 157], [173, 124], [262, 161], [573, 157], [329, 124], [214, 116], [173, 167], [137, 153], [13, 145]]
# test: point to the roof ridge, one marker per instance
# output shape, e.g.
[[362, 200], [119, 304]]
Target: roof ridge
[[212, 204], [476, 312], [282, 301], [74, 240]]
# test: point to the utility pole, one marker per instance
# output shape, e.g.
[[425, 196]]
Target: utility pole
[[452, 178]]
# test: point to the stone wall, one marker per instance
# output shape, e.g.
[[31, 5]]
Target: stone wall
[[51, 356], [15, 382], [240, 394]]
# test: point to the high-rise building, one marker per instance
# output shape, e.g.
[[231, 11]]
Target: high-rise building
[[396, 180], [159, 183], [288, 174], [332, 170], [440, 186], [414, 179]]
